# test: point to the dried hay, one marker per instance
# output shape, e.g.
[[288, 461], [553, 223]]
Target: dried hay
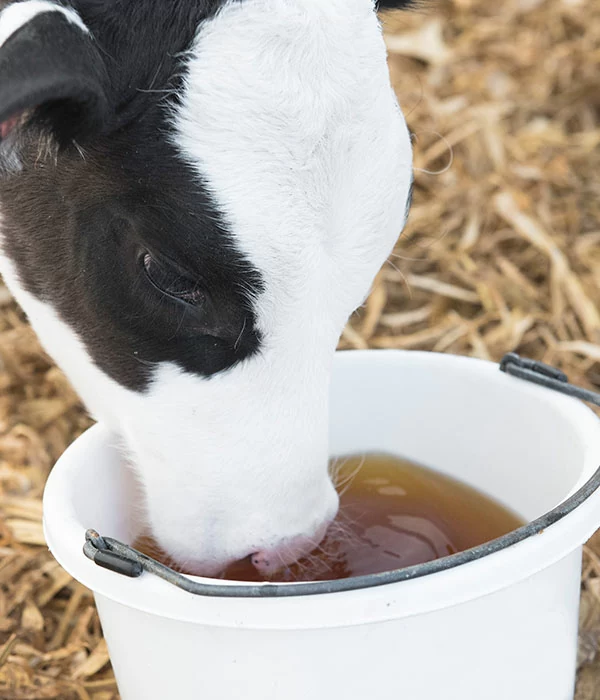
[[501, 252]]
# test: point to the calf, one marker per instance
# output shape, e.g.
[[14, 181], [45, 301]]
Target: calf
[[194, 197]]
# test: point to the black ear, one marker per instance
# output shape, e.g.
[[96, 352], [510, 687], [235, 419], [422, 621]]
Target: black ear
[[51, 70]]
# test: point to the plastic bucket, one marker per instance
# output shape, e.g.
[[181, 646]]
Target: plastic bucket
[[497, 622]]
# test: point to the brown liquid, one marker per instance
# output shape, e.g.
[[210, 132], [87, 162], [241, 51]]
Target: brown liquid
[[393, 514]]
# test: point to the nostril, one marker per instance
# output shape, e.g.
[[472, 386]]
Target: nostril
[[261, 560], [269, 562]]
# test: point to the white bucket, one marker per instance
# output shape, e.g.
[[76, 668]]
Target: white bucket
[[501, 625]]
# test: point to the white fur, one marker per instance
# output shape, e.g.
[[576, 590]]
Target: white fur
[[289, 116], [19, 14]]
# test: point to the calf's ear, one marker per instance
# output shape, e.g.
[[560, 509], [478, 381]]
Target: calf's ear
[[51, 72]]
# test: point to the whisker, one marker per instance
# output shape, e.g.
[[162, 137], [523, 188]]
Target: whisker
[[406, 257], [450, 162], [344, 485], [239, 339], [402, 276]]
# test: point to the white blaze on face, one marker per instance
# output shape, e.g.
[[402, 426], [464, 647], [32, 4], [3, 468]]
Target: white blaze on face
[[289, 117]]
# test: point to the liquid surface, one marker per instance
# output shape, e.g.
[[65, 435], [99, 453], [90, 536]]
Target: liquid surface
[[393, 514]]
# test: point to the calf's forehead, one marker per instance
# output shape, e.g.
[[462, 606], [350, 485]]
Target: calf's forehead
[[287, 114]]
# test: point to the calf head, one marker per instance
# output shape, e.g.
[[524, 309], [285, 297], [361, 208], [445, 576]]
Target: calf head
[[194, 196]]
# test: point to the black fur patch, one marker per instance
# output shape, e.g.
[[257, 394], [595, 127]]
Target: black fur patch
[[401, 4], [78, 220]]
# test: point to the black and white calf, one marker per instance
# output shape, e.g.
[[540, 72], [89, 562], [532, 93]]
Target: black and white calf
[[194, 197]]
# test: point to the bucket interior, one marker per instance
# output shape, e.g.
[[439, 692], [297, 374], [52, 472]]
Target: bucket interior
[[507, 438], [463, 418]]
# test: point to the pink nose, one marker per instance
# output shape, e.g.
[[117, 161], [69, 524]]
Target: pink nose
[[268, 561]]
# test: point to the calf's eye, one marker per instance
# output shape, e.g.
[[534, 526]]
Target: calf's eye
[[171, 282]]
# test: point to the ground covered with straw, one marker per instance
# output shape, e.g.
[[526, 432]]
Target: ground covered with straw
[[502, 252]]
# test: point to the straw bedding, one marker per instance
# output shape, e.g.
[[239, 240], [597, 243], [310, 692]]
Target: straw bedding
[[502, 252]]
